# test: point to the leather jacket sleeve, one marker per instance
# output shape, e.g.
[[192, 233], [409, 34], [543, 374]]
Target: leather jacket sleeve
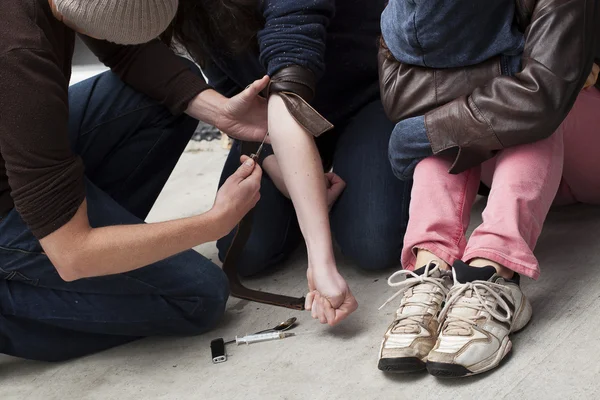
[[296, 86], [560, 47], [409, 91]]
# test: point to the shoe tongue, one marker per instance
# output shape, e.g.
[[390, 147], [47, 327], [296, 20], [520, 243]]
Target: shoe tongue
[[432, 274], [460, 328], [407, 327], [418, 300], [418, 295], [465, 273]]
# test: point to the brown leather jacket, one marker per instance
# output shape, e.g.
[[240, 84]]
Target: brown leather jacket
[[471, 113]]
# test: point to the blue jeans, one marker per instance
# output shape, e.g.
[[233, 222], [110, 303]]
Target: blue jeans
[[369, 219], [129, 145]]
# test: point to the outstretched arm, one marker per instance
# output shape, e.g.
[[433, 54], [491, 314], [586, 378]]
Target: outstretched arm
[[330, 299]]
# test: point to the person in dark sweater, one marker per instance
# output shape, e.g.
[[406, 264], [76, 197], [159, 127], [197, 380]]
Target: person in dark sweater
[[322, 52], [459, 323], [80, 169]]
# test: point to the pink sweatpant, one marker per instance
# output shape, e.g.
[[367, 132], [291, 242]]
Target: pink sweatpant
[[525, 181]]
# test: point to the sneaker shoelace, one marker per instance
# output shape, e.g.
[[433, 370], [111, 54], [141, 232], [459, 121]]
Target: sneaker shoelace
[[482, 291], [413, 319]]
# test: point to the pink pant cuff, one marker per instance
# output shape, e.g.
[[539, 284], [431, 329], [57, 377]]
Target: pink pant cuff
[[432, 248], [530, 270]]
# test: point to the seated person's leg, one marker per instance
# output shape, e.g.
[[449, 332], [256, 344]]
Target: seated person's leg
[[439, 216], [45, 318], [525, 182], [129, 145], [524, 185], [440, 211]]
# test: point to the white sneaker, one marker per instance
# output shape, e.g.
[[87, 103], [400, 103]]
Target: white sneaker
[[476, 323], [413, 332]]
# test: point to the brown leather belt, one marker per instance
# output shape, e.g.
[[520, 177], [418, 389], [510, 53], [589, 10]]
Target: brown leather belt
[[230, 263]]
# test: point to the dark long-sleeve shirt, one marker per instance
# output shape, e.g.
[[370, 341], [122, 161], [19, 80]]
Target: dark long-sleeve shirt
[[39, 174], [336, 40]]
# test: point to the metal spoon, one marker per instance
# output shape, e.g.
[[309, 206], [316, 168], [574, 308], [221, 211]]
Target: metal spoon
[[282, 326]]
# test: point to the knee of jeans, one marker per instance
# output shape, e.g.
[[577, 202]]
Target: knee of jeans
[[209, 305], [212, 314], [371, 252], [220, 289], [394, 162], [402, 168], [404, 174], [218, 292]]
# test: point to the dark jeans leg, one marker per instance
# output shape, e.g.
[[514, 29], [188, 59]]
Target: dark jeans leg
[[275, 231], [369, 219], [129, 145], [128, 142]]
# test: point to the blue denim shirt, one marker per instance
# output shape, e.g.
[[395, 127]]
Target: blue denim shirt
[[451, 33]]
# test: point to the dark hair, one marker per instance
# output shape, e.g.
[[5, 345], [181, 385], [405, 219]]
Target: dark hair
[[385, 49], [206, 27]]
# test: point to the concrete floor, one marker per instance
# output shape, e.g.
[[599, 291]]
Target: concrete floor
[[556, 357]]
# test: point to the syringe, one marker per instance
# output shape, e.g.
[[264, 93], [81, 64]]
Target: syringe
[[262, 337]]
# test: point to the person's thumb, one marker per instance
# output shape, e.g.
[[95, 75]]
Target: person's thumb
[[337, 300], [254, 88], [245, 170]]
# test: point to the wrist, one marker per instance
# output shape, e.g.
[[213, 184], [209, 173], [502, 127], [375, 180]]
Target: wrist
[[208, 107], [324, 263], [221, 221], [320, 250]]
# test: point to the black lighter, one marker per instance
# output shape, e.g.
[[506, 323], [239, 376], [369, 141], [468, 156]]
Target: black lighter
[[217, 348]]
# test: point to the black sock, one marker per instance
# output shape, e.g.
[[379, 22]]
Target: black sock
[[466, 273]]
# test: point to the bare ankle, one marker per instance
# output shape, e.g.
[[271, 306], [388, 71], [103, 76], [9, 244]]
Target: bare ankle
[[502, 270], [424, 257]]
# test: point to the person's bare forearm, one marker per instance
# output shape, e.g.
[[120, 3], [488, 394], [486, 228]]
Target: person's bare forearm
[[122, 248], [302, 171], [271, 167], [79, 251], [207, 107]]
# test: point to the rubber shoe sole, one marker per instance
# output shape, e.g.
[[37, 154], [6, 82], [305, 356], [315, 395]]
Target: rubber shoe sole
[[447, 370], [404, 365], [444, 370]]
